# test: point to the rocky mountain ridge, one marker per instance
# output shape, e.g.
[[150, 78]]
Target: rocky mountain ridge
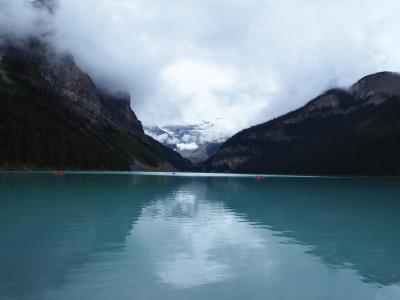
[[342, 132]]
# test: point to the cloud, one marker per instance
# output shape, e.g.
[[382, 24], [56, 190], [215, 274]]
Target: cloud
[[242, 61], [193, 77], [20, 19], [189, 146]]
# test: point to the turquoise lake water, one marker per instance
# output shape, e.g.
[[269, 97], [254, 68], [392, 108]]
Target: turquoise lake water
[[123, 236]]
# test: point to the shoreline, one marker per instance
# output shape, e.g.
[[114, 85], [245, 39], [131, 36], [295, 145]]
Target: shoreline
[[197, 174]]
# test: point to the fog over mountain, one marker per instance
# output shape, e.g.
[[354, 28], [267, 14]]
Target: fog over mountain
[[188, 61], [196, 142]]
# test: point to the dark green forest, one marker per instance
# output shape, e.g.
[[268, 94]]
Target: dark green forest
[[37, 131], [40, 130]]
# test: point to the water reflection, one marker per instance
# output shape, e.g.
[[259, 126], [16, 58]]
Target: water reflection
[[346, 222], [49, 227], [124, 237], [194, 229]]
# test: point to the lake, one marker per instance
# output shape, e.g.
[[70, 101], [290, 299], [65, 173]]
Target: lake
[[131, 236]]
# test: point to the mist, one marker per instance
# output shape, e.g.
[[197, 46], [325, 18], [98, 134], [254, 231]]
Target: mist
[[238, 62]]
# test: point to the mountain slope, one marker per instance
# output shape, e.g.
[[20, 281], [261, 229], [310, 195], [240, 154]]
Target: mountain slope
[[354, 132], [53, 116]]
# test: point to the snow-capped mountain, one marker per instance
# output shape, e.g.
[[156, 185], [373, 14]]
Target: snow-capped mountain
[[196, 142]]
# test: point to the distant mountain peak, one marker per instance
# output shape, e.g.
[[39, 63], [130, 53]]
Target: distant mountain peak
[[374, 88], [195, 142], [379, 77]]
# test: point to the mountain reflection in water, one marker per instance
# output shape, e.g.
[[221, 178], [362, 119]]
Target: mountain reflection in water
[[148, 237]]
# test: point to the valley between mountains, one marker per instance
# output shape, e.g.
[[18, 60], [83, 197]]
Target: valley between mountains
[[53, 116]]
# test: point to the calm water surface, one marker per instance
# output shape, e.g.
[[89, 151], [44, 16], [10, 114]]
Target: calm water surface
[[110, 236]]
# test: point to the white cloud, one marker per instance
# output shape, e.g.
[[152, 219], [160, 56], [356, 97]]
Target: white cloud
[[18, 18], [245, 61], [196, 77], [189, 146]]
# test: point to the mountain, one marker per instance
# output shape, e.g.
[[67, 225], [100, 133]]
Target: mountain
[[52, 116], [341, 132], [195, 142], [201, 153]]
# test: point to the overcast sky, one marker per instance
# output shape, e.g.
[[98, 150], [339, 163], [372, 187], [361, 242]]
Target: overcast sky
[[243, 61]]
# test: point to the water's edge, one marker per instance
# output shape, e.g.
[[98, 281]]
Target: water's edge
[[184, 174]]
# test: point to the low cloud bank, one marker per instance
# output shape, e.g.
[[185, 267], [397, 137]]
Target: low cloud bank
[[245, 62]]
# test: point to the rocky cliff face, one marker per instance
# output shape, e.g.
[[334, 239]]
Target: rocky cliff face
[[95, 129], [347, 132], [34, 63]]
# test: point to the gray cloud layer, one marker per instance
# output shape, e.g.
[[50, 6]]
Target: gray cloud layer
[[243, 61]]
